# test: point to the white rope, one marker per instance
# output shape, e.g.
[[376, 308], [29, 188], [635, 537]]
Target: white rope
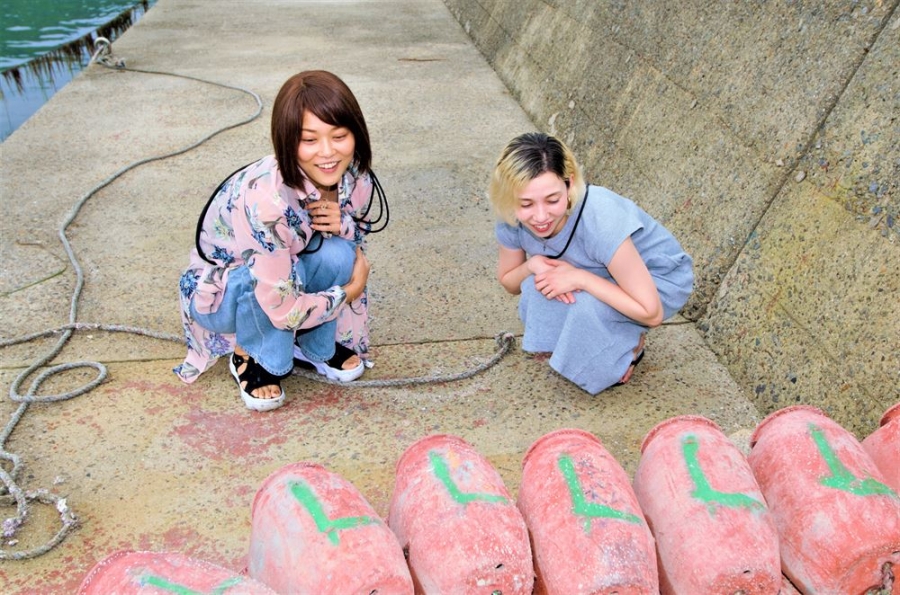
[[13, 493], [504, 342]]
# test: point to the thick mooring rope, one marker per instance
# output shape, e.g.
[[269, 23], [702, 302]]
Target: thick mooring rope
[[13, 493], [504, 342], [103, 56]]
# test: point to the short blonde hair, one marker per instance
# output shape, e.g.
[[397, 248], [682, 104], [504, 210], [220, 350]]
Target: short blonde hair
[[523, 159]]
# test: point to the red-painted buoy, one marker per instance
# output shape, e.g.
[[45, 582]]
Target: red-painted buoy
[[787, 588], [146, 573], [457, 522], [838, 522], [587, 530], [313, 532], [713, 531], [883, 445]]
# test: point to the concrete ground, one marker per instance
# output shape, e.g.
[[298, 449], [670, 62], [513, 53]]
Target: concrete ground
[[146, 462]]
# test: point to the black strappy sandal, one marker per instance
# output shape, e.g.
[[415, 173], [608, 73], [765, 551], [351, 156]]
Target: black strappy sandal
[[634, 364], [255, 376], [333, 369]]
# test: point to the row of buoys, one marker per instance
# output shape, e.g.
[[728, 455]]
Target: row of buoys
[[810, 503]]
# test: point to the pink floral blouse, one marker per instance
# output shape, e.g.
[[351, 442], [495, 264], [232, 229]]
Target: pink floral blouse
[[254, 215]]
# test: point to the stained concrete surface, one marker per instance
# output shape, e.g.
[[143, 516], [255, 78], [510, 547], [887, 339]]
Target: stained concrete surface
[[817, 285], [146, 462]]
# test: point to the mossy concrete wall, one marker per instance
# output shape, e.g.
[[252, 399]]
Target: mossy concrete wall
[[766, 136]]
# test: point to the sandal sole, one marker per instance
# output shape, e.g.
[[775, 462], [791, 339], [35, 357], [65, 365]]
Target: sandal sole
[[330, 373], [251, 402]]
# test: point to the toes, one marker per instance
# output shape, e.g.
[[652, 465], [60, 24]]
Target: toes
[[264, 392], [269, 392]]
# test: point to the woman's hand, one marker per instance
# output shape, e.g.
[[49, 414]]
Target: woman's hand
[[538, 264], [513, 267], [358, 278], [325, 216], [559, 280]]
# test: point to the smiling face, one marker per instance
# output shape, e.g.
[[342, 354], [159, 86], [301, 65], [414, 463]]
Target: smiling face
[[325, 151], [543, 204]]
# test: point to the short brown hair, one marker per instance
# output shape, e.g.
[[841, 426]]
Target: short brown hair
[[523, 159], [331, 100]]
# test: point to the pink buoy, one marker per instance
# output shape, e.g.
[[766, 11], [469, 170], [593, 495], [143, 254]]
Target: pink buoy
[[457, 522], [146, 573], [883, 445], [838, 522], [587, 530], [787, 588], [714, 533], [313, 532]]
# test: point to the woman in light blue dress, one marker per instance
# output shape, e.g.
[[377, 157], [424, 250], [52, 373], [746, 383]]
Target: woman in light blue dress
[[593, 269]]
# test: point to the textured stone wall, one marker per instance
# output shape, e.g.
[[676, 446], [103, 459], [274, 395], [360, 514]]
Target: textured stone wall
[[766, 136]]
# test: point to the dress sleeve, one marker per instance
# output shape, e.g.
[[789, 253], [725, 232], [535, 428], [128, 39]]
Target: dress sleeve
[[507, 236], [267, 246], [613, 219]]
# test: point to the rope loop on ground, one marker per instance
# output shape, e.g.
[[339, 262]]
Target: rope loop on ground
[[32, 397], [68, 520]]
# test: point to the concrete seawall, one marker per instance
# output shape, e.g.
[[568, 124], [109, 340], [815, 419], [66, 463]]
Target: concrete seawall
[[148, 463], [766, 136]]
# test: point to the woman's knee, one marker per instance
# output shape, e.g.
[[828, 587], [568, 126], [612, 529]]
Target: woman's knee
[[340, 250], [224, 319], [527, 284], [587, 307], [331, 264], [528, 291]]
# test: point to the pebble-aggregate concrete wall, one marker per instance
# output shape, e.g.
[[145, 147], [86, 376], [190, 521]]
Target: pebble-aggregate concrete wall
[[766, 137]]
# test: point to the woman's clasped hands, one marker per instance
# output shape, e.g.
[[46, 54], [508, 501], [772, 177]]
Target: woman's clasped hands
[[555, 279]]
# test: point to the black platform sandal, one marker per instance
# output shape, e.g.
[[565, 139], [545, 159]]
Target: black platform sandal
[[333, 369], [255, 377]]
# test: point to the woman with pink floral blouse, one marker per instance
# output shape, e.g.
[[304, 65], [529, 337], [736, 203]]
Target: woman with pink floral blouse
[[278, 274]]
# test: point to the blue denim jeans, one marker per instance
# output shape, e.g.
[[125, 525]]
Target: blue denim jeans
[[241, 315]]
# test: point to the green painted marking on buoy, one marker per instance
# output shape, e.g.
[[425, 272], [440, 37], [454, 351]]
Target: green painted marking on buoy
[[442, 472], [841, 478], [224, 586], [703, 491], [166, 585], [580, 505], [330, 527]]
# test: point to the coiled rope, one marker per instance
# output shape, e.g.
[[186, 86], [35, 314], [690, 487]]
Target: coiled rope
[[13, 493]]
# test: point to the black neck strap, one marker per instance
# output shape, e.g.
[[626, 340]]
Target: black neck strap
[[574, 227], [367, 227]]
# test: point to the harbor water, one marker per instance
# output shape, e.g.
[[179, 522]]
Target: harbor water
[[42, 47]]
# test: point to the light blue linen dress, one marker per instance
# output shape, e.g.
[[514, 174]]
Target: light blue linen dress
[[592, 343]]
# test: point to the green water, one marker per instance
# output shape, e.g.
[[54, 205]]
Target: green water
[[30, 28], [33, 28]]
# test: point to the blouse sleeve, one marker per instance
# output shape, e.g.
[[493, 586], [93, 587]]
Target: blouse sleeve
[[267, 244]]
